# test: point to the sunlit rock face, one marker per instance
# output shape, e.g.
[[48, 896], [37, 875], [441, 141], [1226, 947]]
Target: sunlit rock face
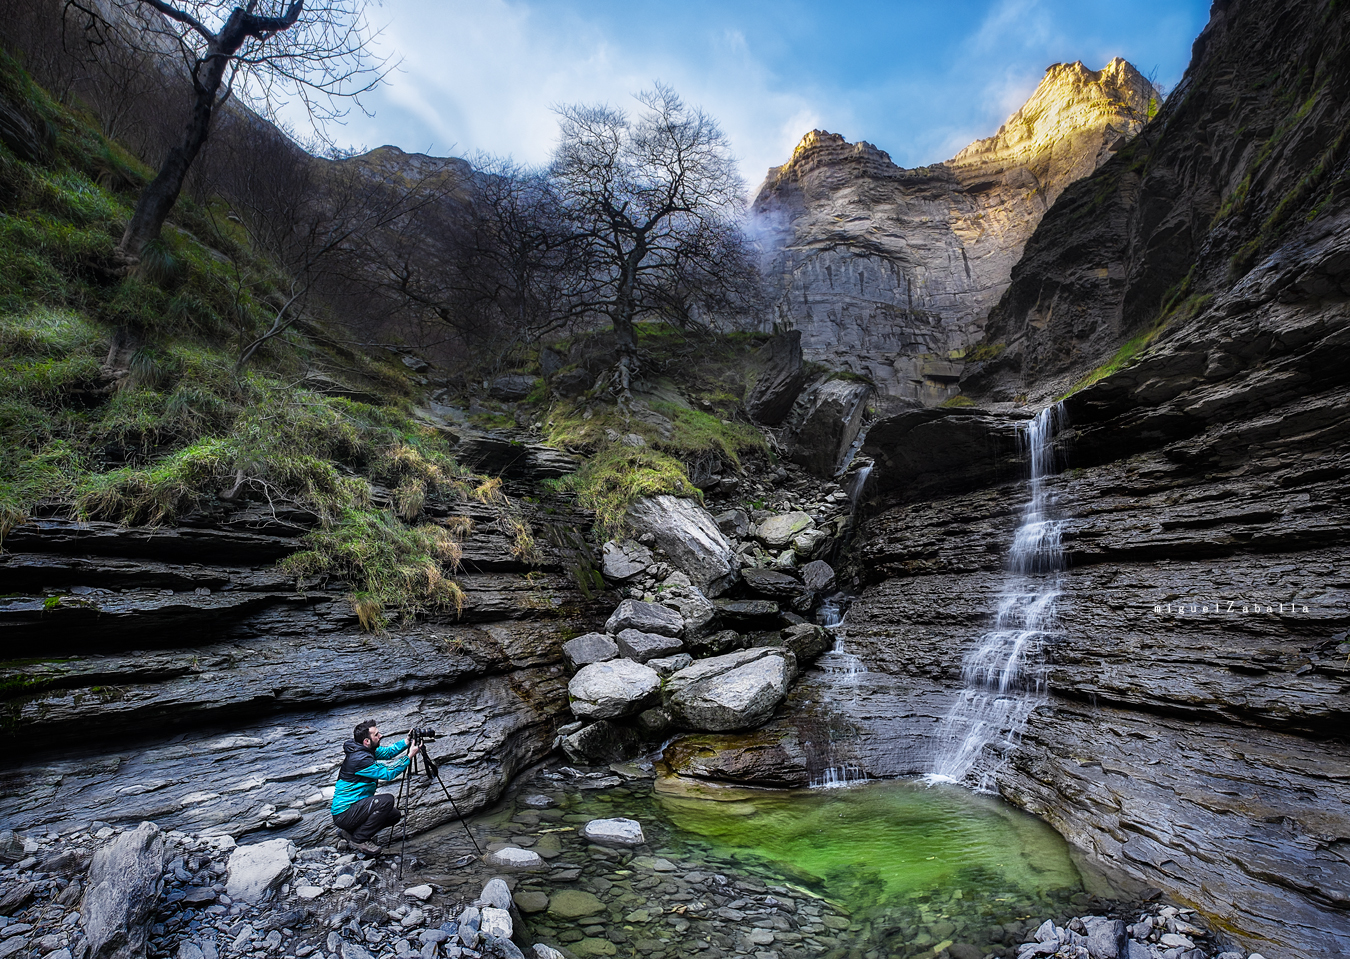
[[892, 272]]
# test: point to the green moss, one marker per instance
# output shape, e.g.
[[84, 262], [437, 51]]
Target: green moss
[[958, 401], [983, 352], [610, 481], [1176, 310], [698, 432]]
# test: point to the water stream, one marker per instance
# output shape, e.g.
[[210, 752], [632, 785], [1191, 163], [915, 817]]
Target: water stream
[[1004, 674], [842, 670]]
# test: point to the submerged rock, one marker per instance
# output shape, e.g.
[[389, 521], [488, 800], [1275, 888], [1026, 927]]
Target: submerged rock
[[614, 832]]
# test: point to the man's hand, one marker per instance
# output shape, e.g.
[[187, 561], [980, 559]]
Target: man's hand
[[413, 748]]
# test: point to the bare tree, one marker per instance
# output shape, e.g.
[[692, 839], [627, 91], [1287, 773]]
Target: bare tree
[[491, 267], [654, 203], [317, 217], [263, 51]]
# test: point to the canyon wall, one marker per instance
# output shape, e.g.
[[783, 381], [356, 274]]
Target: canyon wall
[[176, 674], [891, 272], [1193, 735]]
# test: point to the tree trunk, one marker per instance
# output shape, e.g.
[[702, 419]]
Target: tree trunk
[[159, 197]]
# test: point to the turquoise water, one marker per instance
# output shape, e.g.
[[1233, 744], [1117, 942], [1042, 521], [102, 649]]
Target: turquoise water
[[885, 841], [895, 869]]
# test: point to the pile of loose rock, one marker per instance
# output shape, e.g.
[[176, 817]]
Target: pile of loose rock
[[672, 658], [641, 678], [1161, 932], [108, 892]]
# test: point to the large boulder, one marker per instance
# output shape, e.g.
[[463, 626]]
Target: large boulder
[[647, 617], [750, 613], [619, 687], [818, 576], [624, 560], [773, 583], [778, 531], [739, 690], [778, 380], [589, 648], [765, 757], [257, 869], [640, 647], [688, 536], [825, 424], [600, 743], [122, 891], [696, 609]]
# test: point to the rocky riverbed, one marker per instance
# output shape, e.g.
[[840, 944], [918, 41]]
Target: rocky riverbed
[[566, 872]]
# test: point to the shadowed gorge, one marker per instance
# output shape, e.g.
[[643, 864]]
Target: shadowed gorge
[[933, 563]]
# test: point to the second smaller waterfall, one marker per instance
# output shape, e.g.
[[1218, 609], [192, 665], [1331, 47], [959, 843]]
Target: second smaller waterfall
[[1003, 675], [843, 669]]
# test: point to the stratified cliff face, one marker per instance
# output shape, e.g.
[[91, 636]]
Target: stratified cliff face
[[1246, 150], [1194, 731], [892, 272], [176, 675]]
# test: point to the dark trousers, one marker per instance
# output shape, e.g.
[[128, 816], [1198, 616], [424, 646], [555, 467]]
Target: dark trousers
[[367, 817]]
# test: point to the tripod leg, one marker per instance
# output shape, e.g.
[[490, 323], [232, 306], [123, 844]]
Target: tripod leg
[[457, 815], [407, 809]]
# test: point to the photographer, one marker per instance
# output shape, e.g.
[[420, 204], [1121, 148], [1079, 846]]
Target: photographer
[[358, 812]]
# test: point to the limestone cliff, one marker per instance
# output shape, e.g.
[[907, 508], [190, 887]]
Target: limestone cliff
[[892, 272], [1247, 150], [1194, 733]]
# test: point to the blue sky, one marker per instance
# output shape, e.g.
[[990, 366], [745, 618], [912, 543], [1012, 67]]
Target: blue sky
[[918, 79]]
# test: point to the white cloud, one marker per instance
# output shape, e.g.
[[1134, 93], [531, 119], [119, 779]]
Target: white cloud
[[484, 76]]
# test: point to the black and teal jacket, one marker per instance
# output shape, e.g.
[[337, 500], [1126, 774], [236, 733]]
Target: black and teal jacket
[[362, 773]]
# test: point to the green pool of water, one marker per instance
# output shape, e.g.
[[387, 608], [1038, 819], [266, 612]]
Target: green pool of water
[[901, 868], [884, 841]]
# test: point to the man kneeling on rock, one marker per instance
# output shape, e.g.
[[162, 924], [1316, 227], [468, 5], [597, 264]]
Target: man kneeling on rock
[[358, 812]]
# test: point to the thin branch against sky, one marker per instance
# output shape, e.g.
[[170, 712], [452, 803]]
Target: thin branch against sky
[[919, 80]]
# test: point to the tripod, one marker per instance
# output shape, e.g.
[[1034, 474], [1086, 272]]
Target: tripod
[[431, 769]]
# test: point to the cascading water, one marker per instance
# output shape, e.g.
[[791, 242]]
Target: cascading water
[[843, 668], [1004, 675]]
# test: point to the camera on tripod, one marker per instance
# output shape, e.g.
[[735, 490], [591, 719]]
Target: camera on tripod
[[422, 734]]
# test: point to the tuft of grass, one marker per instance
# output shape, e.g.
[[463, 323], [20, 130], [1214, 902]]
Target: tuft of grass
[[614, 478], [957, 401], [389, 565]]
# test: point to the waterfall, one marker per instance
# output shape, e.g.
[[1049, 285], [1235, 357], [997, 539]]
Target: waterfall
[[843, 669], [1004, 674]]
